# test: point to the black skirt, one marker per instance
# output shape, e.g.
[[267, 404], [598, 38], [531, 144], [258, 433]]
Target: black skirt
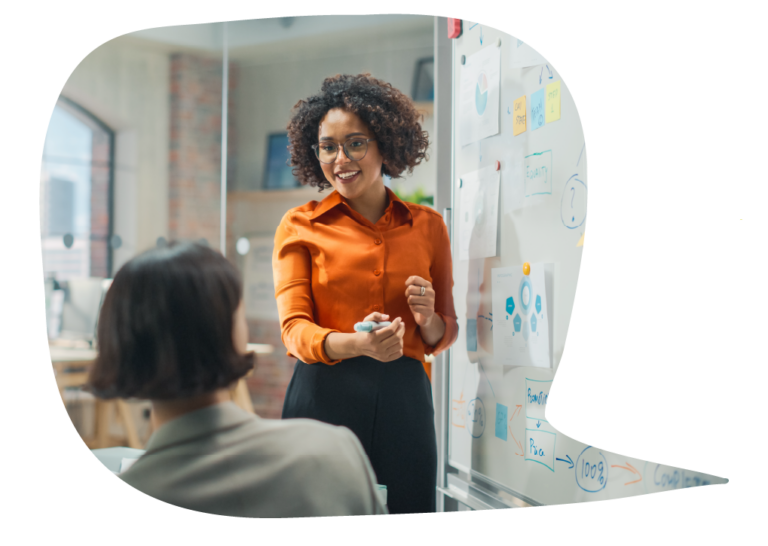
[[388, 405]]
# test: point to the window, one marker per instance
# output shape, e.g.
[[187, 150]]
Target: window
[[75, 195]]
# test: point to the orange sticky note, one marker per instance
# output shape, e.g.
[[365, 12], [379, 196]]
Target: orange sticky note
[[518, 116]]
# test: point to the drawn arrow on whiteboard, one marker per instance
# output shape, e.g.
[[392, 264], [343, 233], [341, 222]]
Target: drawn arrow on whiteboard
[[519, 445], [542, 73], [568, 460], [631, 469], [481, 35], [517, 410], [538, 424], [458, 406]]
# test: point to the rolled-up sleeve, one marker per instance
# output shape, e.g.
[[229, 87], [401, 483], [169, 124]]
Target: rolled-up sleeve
[[292, 272], [442, 283]]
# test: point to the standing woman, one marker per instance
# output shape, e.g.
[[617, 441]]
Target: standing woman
[[363, 254]]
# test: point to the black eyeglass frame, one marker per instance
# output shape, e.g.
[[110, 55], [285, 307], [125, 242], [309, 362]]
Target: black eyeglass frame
[[316, 147]]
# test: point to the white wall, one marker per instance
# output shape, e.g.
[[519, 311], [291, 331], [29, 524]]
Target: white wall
[[126, 84]]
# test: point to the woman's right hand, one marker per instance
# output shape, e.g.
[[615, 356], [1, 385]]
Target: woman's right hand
[[384, 345]]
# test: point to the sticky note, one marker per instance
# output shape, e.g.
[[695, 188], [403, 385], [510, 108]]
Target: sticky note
[[518, 116], [581, 241], [537, 109], [471, 334], [553, 101], [501, 421]]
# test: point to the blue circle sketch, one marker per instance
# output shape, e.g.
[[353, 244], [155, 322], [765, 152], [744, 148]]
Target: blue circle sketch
[[591, 470], [475, 418], [573, 205]]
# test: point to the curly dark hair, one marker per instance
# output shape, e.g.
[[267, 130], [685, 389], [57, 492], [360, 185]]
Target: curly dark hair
[[389, 113]]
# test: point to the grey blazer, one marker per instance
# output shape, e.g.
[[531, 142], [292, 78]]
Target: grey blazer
[[223, 460]]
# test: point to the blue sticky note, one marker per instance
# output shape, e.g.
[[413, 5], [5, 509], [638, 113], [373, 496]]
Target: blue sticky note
[[501, 421], [537, 109], [471, 334]]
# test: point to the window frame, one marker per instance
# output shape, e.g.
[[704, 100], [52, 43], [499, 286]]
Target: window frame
[[95, 123]]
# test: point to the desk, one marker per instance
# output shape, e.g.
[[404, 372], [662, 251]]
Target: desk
[[71, 366], [111, 457]]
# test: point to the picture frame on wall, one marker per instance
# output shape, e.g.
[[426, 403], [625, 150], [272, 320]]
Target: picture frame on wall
[[277, 172], [424, 80]]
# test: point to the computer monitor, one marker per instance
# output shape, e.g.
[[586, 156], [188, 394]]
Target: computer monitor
[[277, 174], [82, 305]]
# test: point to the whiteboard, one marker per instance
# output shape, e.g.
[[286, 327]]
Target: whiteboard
[[497, 419]]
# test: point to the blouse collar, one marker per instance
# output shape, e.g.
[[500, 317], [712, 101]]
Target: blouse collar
[[335, 199]]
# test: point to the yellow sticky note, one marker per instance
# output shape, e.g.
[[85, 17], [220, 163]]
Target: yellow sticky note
[[581, 241], [518, 116], [552, 108]]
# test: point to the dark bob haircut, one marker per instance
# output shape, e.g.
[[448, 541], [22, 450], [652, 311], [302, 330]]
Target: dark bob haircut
[[389, 114], [165, 329]]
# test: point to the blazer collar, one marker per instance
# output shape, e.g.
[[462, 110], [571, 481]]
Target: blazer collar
[[335, 199], [198, 423]]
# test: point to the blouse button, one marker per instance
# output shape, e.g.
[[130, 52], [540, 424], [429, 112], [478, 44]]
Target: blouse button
[[377, 241], [376, 307], [376, 272]]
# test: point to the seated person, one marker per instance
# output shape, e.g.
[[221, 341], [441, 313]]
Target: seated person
[[172, 330]]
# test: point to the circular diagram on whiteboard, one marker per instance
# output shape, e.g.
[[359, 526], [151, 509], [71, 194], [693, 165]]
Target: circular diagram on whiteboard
[[481, 93], [479, 208], [475, 418], [526, 295], [573, 206]]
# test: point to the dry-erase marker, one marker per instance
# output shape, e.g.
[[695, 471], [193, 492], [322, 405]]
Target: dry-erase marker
[[370, 326]]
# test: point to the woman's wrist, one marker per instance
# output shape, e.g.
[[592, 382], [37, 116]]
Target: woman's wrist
[[339, 346], [433, 331]]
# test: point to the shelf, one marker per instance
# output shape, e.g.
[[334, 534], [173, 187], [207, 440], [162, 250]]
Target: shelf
[[265, 196], [426, 108]]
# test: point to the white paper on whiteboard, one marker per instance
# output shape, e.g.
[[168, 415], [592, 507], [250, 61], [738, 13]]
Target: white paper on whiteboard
[[520, 317], [479, 96], [478, 213]]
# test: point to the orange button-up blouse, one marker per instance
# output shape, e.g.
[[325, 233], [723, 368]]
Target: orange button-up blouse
[[332, 267]]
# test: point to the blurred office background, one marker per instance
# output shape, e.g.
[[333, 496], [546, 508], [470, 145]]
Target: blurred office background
[[135, 157]]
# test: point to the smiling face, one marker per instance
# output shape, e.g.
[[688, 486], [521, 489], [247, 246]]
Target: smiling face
[[352, 179]]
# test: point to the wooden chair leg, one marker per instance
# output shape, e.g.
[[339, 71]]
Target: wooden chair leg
[[102, 416], [130, 428], [242, 397]]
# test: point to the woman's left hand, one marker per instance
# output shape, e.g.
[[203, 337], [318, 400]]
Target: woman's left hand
[[422, 307]]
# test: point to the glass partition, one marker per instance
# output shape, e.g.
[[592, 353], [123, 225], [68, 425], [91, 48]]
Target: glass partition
[[271, 76], [132, 160], [135, 147]]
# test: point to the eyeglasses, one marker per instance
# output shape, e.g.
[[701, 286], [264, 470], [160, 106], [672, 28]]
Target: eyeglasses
[[355, 149]]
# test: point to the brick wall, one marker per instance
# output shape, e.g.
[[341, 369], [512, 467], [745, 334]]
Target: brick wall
[[195, 197], [195, 146], [272, 373]]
